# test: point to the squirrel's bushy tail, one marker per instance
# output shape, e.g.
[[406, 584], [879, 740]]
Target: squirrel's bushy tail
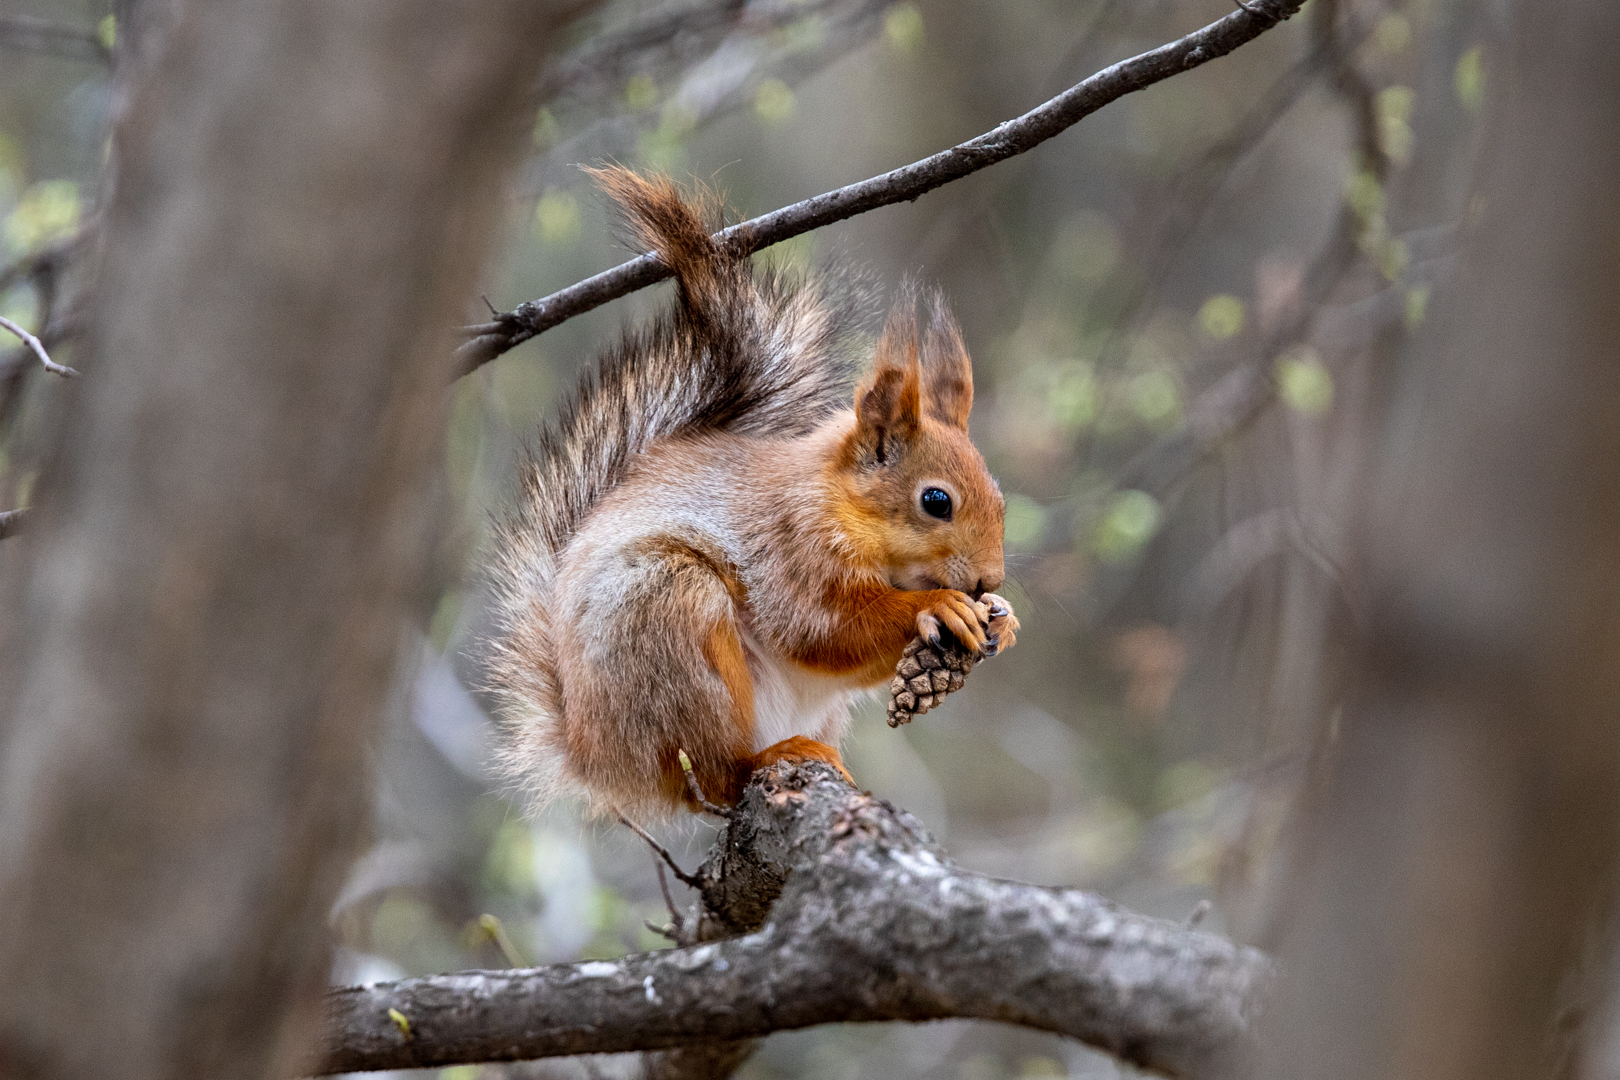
[[744, 350]]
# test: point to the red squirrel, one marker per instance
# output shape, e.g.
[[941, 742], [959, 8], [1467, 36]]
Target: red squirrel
[[714, 553]]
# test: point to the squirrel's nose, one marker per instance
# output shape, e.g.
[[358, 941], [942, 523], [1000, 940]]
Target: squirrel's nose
[[986, 584]]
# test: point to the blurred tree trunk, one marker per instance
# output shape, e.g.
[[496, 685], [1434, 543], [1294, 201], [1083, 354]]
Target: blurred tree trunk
[[1466, 837], [201, 626]]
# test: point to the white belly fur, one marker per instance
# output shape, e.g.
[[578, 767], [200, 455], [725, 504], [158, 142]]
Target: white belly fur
[[788, 700]]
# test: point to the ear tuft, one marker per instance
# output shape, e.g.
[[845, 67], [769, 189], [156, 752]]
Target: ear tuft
[[946, 367], [888, 404]]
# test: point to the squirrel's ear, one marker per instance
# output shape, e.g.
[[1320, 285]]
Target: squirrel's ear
[[888, 404], [947, 369]]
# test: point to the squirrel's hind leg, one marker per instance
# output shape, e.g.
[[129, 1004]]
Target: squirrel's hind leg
[[652, 665]]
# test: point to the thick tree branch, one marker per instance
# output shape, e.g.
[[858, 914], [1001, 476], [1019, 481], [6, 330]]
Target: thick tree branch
[[489, 340], [873, 922]]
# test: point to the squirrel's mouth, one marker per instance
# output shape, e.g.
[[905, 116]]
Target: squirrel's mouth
[[917, 582], [957, 574]]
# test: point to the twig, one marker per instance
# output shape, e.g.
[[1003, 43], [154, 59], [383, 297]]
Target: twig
[[43, 270], [676, 921], [676, 930], [39, 349], [495, 930], [1243, 395], [691, 39], [697, 792], [873, 922], [11, 521], [663, 853], [1193, 191], [489, 340], [608, 57], [1359, 96]]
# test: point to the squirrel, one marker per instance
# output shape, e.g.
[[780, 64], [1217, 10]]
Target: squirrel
[[714, 553]]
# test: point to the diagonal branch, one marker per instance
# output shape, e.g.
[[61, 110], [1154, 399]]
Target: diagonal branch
[[873, 922], [37, 347], [44, 271], [489, 340]]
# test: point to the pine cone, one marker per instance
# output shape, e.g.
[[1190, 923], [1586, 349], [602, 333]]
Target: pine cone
[[925, 674]]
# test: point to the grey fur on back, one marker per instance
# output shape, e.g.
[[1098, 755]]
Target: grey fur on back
[[743, 350]]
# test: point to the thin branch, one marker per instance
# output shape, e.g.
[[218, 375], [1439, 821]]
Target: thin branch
[[1192, 193], [676, 922], [495, 931], [12, 521], [663, 853], [489, 340], [1242, 395], [872, 922], [609, 57], [696, 791], [27, 33], [38, 348], [44, 271], [723, 50]]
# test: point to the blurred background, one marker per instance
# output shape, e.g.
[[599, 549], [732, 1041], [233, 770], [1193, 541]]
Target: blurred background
[[1182, 314]]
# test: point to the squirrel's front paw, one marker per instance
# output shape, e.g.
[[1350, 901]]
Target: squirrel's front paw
[[1002, 631], [966, 619]]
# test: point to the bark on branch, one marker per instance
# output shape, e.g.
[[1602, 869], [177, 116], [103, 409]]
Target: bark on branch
[[491, 339], [846, 911]]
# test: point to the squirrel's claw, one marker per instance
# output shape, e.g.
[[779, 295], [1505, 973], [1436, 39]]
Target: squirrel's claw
[[1002, 632], [966, 619]]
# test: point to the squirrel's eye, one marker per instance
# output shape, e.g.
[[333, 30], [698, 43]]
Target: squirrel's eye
[[936, 503]]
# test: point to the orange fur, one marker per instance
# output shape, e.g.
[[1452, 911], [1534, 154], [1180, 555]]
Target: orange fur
[[716, 551], [724, 652], [873, 627], [797, 748], [663, 221]]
